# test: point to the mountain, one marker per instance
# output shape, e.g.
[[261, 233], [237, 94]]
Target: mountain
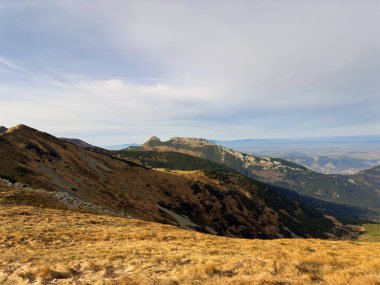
[[93, 180], [335, 164], [338, 189], [78, 142], [119, 147], [180, 161], [338, 155], [370, 177]]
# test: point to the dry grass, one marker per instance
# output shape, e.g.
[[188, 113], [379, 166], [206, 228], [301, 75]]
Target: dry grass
[[43, 246]]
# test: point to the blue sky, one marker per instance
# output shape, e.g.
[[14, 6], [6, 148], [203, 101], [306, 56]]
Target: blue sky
[[113, 72]]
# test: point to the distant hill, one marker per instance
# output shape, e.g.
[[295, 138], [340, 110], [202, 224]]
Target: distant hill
[[78, 142], [312, 142], [370, 177], [336, 164], [119, 147], [330, 155], [93, 180], [332, 188]]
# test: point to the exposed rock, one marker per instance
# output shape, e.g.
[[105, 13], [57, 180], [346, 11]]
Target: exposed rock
[[153, 139]]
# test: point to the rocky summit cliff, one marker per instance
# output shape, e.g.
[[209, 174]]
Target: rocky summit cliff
[[91, 181], [344, 190]]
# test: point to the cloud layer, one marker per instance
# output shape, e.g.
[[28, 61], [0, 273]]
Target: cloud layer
[[118, 71]]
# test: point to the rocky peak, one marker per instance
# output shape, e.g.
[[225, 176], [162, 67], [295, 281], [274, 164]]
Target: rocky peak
[[191, 141], [152, 141]]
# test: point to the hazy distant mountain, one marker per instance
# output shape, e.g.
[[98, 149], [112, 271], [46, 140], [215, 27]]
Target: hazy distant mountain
[[222, 203], [336, 164], [344, 141], [84, 144], [121, 146], [339, 155], [334, 188]]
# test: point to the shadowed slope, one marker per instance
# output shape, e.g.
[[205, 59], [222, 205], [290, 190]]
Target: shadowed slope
[[333, 188]]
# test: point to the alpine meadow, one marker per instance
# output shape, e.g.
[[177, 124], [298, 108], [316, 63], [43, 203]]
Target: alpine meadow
[[189, 142]]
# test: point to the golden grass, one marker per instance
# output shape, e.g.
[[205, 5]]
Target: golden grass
[[43, 246]]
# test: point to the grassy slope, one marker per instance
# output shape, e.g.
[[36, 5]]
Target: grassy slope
[[372, 233], [178, 161], [40, 244]]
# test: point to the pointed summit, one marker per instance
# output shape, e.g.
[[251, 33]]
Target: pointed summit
[[153, 141], [21, 128], [154, 138]]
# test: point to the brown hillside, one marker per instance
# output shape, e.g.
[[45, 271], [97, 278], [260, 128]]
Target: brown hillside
[[105, 184], [42, 242]]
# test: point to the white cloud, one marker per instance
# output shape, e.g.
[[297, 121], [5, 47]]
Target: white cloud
[[8, 66], [82, 104], [229, 69]]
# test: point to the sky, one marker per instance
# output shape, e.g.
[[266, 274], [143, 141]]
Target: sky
[[114, 72]]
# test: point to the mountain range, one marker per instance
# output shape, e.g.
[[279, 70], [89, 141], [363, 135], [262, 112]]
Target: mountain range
[[360, 191], [330, 155], [220, 202]]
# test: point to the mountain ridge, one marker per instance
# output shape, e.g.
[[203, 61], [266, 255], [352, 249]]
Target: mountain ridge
[[188, 199], [334, 188]]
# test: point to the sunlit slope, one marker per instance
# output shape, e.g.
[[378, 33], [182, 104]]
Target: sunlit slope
[[43, 242]]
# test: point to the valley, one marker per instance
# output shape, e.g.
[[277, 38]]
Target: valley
[[329, 155]]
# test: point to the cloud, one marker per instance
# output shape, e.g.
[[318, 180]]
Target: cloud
[[217, 69], [79, 104], [5, 65]]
